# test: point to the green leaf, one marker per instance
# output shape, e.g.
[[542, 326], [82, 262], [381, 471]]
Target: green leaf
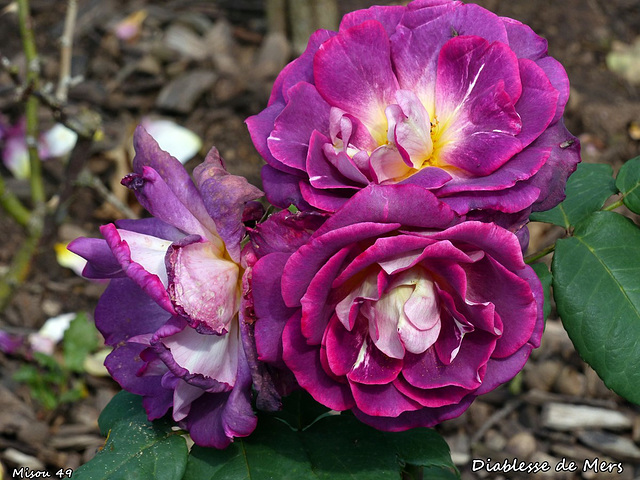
[[122, 407], [272, 451], [628, 182], [299, 410], [421, 446], [597, 293], [587, 190], [545, 278], [135, 448], [80, 339], [336, 447], [341, 447]]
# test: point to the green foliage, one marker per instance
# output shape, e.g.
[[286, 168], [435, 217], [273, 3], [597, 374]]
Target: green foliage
[[135, 448], [335, 447], [545, 278], [628, 182], [587, 190], [80, 339], [327, 447], [596, 286], [52, 382]]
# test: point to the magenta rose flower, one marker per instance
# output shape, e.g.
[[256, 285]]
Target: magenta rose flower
[[393, 307], [439, 94], [171, 310]]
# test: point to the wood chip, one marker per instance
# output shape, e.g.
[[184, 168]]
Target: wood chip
[[620, 448], [184, 41], [563, 416], [16, 457], [182, 93]]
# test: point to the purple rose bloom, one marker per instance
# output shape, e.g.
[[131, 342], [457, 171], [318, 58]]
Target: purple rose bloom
[[396, 309], [171, 309], [439, 94]]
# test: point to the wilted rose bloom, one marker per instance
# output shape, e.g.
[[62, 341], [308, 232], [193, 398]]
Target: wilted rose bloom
[[171, 308], [394, 308], [440, 94]]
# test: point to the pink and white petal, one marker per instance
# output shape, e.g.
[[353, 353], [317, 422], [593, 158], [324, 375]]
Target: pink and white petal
[[538, 104], [269, 307], [122, 364], [429, 178], [151, 274], [330, 169], [564, 158], [383, 316], [101, 263], [454, 328], [282, 189], [16, 157], [215, 419], [558, 77], [343, 346], [345, 165], [305, 113], [412, 134], [415, 340], [303, 265], [260, 127], [433, 397], [147, 251], [300, 70], [284, 232], [513, 299], [159, 199], [382, 400], [212, 356], [388, 204], [183, 395], [427, 371], [353, 72], [176, 179], [512, 200], [387, 165], [523, 40], [304, 361], [325, 200], [125, 311], [316, 305], [501, 370], [151, 226], [224, 196], [469, 66], [415, 59], [348, 308], [521, 166], [203, 286], [387, 16], [422, 309]]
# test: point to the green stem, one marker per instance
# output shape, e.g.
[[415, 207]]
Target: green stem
[[18, 270], [32, 103], [538, 255], [32, 221], [614, 205], [13, 206]]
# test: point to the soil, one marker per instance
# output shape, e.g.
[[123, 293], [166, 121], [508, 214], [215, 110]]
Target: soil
[[124, 81]]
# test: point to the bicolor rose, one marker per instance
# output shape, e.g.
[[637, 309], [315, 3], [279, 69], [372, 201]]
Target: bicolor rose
[[394, 308], [172, 307], [444, 95]]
